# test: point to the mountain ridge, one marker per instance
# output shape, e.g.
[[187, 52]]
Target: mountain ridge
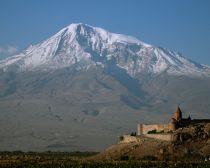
[[88, 46]]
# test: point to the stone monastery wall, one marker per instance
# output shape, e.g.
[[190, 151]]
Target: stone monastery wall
[[144, 129], [162, 137]]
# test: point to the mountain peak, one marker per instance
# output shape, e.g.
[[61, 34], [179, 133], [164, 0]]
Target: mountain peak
[[84, 45], [106, 36], [75, 26]]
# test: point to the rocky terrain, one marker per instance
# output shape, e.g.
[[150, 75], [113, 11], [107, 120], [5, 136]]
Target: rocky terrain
[[193, 144]]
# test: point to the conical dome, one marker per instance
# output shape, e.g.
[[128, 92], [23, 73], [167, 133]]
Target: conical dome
[[178, 114]]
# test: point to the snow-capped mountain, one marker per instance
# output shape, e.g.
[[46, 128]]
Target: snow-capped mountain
[[86, 46], [104, 91]]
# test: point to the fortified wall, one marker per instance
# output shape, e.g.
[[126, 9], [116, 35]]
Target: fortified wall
[[162, 132], [144, 129], [162, 137]]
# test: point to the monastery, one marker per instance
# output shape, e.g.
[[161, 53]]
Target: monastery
[[162, 131]]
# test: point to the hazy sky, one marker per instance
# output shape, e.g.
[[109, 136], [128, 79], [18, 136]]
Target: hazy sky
[[181, 25]]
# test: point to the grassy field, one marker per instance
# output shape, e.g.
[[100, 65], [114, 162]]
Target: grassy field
[[79, 160], [113, 164]]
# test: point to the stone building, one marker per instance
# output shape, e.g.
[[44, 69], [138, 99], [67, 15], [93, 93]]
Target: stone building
[[162, 132], [174, 123]]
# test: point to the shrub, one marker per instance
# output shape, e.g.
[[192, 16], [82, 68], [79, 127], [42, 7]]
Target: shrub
[[121, 138], [124, 157], [149, 158], [152, 131]]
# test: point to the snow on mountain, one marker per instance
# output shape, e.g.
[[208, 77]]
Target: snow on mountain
[[86, 46]]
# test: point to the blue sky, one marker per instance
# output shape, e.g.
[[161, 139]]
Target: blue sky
[[180, 25]]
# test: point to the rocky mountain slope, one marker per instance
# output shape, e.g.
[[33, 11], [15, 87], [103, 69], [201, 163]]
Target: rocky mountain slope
[[83, 86]]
